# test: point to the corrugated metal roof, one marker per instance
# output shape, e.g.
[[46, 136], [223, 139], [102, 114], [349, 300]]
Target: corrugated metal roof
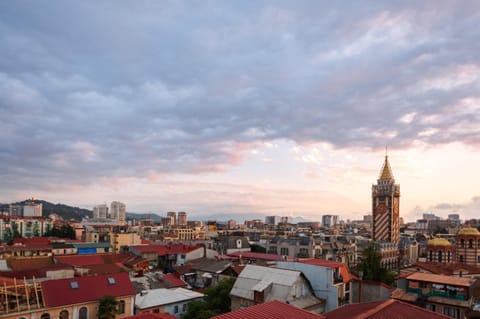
[[282, 280], [162, 296]]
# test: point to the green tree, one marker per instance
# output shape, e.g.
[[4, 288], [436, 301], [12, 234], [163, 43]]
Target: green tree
[[107, 308], [216, 301], [371, 267], [36, 229], [15, 232], [7, 235]]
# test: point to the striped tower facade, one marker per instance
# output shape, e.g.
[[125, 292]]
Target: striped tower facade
[[386, 207]]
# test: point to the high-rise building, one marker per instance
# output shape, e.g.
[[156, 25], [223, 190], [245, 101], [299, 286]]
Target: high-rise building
[[100, 211], [182, 219], [173, 217], [329, 220], [32, 209], [386, 206], [118, 212]]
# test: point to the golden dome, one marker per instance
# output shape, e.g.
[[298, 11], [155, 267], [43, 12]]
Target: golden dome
[[439, 242], [469, 231]]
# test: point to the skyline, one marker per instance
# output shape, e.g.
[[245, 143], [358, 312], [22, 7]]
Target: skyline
[[274, 108]]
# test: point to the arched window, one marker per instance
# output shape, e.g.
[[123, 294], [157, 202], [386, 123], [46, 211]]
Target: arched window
[[121, 306], [82, 313], [461, 258], [470, 243], [63, 314], [448, 256], [440, 256], [431, 255], [45, 316], [462, 243]]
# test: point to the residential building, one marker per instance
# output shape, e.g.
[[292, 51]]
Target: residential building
[[173, 218], [118, 212], [119, 240], [447, 295], [272, 220], [294, 247], [76, 297], [172, 301], [32, 209], [100, 211], [330, 280], [15, 210], [25, 226], [329, 220], [182, 219], [258, 284]]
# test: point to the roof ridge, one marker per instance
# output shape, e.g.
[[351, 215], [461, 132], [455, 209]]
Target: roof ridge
[[376, 309]]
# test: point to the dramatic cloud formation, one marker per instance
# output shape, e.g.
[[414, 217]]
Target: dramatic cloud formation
[[114, 91]]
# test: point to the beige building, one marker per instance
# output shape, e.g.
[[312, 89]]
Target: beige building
[[117, 240], [118, 212]]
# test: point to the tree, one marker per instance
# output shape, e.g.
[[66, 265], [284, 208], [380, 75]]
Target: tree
[[107, 307], [16, 233], [371, 266], [7, 235], [216, 301]]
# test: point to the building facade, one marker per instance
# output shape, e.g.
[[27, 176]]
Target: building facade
[[386, 207], [118, 212]]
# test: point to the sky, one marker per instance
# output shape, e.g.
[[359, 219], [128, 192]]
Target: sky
[[240, 107]]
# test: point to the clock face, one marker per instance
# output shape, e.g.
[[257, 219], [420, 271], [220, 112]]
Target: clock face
[[381, 208]]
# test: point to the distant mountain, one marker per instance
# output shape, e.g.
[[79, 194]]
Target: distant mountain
[[65, 211], [154, 217]]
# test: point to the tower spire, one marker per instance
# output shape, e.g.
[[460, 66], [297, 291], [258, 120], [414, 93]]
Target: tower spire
[[386, 172]]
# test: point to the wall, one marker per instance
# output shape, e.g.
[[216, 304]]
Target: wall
[[365, 291]]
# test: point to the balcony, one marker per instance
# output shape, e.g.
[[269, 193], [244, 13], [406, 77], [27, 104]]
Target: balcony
[[428, 292]]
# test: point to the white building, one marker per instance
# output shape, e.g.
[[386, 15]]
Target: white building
[[32, 209], [330, 280], [329, 220], [118, 212], [100, 211], [171, 301]]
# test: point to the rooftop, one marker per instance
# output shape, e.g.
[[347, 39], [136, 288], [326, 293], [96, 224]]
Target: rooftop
[[270, 310], [441, 279], [163, 296], [388, 309]]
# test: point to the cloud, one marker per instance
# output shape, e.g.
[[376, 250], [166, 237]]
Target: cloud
[[119, 90]]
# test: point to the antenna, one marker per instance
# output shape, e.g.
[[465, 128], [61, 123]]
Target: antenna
[[386, 150]]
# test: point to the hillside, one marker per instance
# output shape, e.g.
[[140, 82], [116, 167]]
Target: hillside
[[67, 212]]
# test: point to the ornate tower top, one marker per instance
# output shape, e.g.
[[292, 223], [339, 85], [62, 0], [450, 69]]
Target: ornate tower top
[[386, 172]]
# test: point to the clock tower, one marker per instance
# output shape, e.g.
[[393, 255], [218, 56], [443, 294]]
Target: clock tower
[[386, 207]]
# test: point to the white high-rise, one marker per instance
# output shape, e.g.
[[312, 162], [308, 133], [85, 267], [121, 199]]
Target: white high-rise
[[100, 211], [118, 212]]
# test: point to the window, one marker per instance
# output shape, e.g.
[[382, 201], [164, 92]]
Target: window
[[45, 316], [175, 309], [74, 284], [461, 258], [284, 251], [82, 313], [448, 257], [440, 256], [470, 243], [63, 314], [121, 306], [111, 280], [462, 243], [184, 307], [430, 307], [451, 312], [431, 255]]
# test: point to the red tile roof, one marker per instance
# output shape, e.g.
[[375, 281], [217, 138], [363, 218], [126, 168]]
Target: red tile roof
[[173, 281], [346, 275], [163, 250], [270, 310], [29, 263], [388, 309], [91, 288], [149, 315], [261, 256], [80, 260]]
